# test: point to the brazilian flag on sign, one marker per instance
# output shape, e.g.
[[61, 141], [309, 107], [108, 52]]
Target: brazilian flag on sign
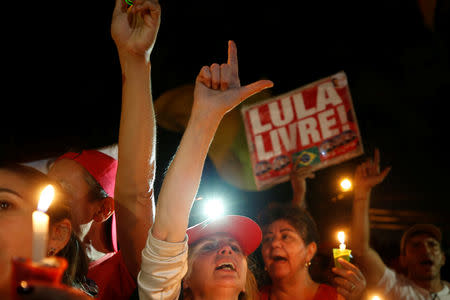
[[306, 157]]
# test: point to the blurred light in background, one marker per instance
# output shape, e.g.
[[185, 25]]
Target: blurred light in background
[[213, 208], [346, 185]]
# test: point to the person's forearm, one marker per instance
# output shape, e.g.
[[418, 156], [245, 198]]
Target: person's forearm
[[182, 180], [361, 223], [367, 258], [137, 131], [298, 198], [136, 167]]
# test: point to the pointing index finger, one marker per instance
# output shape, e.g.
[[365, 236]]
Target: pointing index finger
[[377, 160], [232, 57]]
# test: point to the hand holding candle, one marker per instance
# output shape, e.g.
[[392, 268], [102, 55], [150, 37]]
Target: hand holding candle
[[342, 252]]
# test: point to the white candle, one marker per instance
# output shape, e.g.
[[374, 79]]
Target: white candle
[[40, 224], [40, 233]]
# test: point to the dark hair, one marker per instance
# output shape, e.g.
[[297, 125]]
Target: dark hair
[[58, 211], [96, 192], [297, 217]]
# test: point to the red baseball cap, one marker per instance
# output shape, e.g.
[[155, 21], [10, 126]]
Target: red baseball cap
[[244, 230], [104, 169], [101, 166]]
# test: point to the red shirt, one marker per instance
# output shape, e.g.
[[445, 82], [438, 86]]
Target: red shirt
[[112, 277], [324, 292]]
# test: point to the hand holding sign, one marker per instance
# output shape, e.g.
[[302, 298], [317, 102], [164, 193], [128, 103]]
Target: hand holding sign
[[314, 125], [218, 89]]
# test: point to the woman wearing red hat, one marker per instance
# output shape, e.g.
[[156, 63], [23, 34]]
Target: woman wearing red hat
[[215, 267], [90, 176]]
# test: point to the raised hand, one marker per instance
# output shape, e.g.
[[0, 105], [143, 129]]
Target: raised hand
[[368, 174], [218, 89], [134, 29]]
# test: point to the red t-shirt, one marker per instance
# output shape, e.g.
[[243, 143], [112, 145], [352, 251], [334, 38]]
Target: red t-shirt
[[324, 292], [112, 277]]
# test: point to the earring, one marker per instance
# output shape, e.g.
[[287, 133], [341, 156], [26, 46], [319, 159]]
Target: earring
[[307, 264], [51, 252]]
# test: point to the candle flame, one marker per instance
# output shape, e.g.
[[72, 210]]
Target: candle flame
[[376, 298], [341, 237], [46, 198]]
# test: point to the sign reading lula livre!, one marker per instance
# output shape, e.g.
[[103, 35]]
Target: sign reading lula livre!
[[313, 125]]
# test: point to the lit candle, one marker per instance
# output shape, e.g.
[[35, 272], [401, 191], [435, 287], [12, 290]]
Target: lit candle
[[341, 239], [342, 252], [40, 224]]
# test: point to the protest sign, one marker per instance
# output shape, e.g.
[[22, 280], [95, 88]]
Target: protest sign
[[314, 125]]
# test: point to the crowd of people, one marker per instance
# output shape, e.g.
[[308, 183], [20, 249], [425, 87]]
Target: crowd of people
[[120, 245]]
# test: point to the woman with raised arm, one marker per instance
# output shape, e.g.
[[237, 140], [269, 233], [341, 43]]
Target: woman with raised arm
[[90, 176], [217, 266]]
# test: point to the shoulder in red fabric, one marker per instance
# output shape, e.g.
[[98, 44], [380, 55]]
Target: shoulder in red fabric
[[326, 292], [112, 277]]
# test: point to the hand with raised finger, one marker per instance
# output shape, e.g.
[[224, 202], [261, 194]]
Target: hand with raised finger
[[350, 282], [218, 89], [368, 174], [134, 29]]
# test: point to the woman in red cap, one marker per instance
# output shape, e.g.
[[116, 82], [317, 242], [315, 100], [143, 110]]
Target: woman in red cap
[[99, 195], [217, 266]]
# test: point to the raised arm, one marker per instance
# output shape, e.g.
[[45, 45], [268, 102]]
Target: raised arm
[[217, 91], [367, 175], [298, 183], [134, 32]]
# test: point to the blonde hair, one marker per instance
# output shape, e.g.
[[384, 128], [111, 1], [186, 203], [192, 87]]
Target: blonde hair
[[251, 287]]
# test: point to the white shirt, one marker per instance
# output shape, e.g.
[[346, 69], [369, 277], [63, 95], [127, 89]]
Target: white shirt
[[398, 287], [163, 267]]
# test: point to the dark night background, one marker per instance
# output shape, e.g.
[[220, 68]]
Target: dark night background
[[63, 90]]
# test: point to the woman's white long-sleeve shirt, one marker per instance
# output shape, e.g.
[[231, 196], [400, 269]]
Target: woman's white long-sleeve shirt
[[163, 267]]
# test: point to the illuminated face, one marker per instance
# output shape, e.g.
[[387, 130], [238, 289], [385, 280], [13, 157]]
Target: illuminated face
[[17, 203], [217, 262], [284, 251], [423, 257], [70, 175]]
